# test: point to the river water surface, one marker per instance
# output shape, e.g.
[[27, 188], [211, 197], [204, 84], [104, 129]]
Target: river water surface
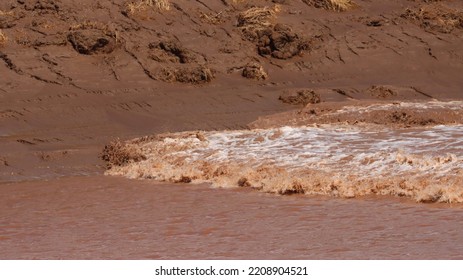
[[115, 218]]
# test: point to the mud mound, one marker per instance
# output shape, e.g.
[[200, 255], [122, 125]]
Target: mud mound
[[335, 5], [254, 71], [190, 75], [118, 153], [280, 42], [436, 17], [92, 41], [382, 92], [276, 40], [300, 97], [171, 51]]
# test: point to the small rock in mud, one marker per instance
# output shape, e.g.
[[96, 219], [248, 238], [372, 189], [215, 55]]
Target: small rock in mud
[[300, 97], [280, 42], [92, 41], [254, 71]]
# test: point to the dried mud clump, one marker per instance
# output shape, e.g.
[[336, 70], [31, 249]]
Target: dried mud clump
[[436, 17], [300, 97], [41, 6], [7, 19], [254, 71], [117, 153], [334, 5], [190, 75], [381, 92], [254, 20], [170, 51], [276, 40], [212, 17], [141, 6], [407, 119], [280, 42], [92, 38]]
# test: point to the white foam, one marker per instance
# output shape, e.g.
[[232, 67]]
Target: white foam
[[418, 162]]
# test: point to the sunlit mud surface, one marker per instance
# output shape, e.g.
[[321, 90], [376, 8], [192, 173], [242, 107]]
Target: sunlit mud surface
[[103, 217], [345, 161]]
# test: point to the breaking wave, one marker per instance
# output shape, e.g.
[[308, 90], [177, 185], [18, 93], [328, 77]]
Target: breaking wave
[[424, 164]]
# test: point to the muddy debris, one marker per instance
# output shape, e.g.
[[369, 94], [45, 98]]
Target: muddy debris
[[382, 92], [407, 119], [281, 42], [333, 5], [41, 6], [435, 17], [300, 97], [170, 51], [3, 38], [254, 71], [117, 153], [254, 20], [244, 182], [190, 75], [92, 41], [8, 18]]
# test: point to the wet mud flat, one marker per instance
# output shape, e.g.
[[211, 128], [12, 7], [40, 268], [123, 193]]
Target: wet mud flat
[[101, 217]]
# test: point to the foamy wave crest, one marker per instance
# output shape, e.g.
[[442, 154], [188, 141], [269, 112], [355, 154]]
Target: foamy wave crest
[[415, 106], [342, 161]]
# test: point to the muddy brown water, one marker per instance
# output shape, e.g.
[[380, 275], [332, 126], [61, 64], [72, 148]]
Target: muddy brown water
[[99, 217]]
